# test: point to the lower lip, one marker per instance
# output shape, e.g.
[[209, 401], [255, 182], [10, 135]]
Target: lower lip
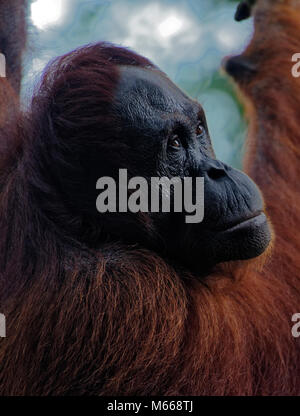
[[253, 222]]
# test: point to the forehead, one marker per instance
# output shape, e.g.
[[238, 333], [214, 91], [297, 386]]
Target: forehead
[[144, 93]]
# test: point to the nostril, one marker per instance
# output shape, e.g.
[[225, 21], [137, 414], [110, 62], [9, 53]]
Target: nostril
[[216, 173]]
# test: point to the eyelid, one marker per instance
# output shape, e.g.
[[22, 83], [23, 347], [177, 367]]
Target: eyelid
[[177, 138], [181, 130], [201, 124]]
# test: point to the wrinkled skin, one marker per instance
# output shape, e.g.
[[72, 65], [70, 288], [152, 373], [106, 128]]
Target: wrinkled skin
[[162, 132]]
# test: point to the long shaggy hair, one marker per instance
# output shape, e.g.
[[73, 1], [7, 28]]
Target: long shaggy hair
[[120, 320]]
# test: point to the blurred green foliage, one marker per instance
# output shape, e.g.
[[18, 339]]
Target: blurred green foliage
[[186, 38]]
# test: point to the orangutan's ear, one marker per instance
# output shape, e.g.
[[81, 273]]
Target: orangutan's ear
[[244, 10], [239, 67]]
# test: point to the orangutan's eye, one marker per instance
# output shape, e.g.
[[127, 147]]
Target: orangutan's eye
[[200, 129], [175, 142]]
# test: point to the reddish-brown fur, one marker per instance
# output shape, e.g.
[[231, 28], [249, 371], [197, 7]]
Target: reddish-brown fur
[[122, 321], [13, 37]]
